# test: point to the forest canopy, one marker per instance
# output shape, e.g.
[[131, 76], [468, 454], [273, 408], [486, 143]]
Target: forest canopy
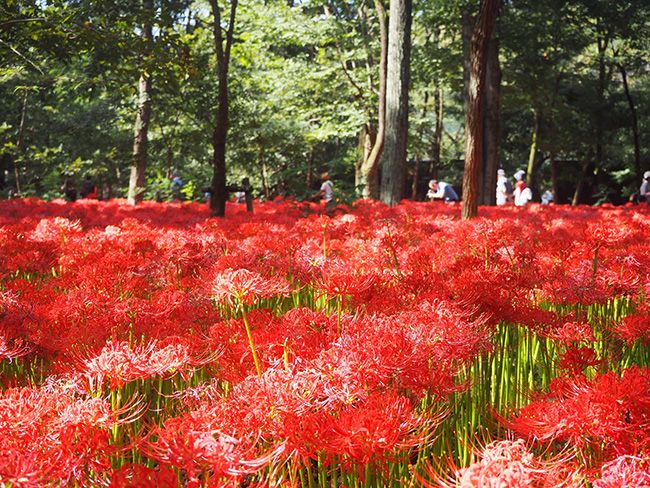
[[81, 80]]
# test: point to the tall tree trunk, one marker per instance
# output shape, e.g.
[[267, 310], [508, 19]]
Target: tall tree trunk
[[416, 178], [141, 129], [436, 145], [309, 178], [478, 54], [492, 126], [220, 133], [554, 179], [367, 138], [635, 125], [580, 195], [418, 161], [533, 155], [21, 144], [397, 101], [368, 179], [589, 166], [261, 156]]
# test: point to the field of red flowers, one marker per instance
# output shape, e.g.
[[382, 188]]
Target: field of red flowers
[[157, 346]]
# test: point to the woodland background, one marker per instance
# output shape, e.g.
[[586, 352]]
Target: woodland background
[[121, 90]]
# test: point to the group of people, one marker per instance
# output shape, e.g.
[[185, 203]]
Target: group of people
[[520, 194], [69, 189]]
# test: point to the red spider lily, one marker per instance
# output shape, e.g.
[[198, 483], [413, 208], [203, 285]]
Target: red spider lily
[[372, 429], [200, 445], [120, 362], [13, 348], [246, 286], [575, 359], [610, 413], [339, 280], [507, 464], [625, 472], [572, 333], [137, 476], [635, 326], [53, 437]]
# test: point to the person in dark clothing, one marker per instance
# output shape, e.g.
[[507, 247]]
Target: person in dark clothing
[[88, 189], [68, 187]]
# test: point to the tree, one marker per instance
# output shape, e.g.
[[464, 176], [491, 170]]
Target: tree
[[492, 125], [397, 102], [141, 128], [368, 177], [474, 129], [220, 133]]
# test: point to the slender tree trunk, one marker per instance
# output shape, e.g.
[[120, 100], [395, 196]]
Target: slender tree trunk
[[220, 133], [369, 171], [580, 195], [533, 155], [367, 138], [418, 161], [478, 54], [436, 145], [168, 141], [397, 102], [635, 125], [554, 179], [21, 144], [589, 166], [265, 173], [309, 179], [492, 125], [141, 129], [416, 178]]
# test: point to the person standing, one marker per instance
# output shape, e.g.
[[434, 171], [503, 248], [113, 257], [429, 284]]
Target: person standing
[[88, 189], [504, 188], [644, 191], [522, 194], [68, 187], [440, 190], [326, 191], [175, 186]]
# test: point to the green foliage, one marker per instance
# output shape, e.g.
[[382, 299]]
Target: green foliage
[[303, 81]]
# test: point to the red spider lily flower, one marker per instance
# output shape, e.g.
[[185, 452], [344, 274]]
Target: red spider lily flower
[[340, 280], [635, 326], [120, 362], [625, 472], [138, 476], [198, 443], [575, 359], [56, 229], [59, 438], [13, 348], [510, 464], [370, 430], [608, 415], [247, 286], [572, 333]]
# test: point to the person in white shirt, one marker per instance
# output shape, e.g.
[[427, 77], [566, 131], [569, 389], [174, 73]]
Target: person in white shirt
[[644, 191], [504, 188], [522, 194], [326, 191]]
